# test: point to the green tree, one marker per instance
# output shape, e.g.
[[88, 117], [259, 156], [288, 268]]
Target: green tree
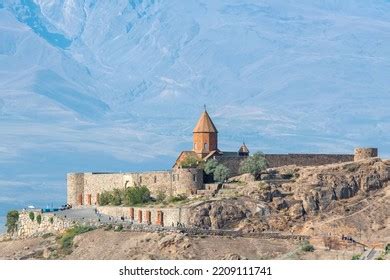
[[105, 198], [137, 195], [117, 197], [31, 215], [39, 218], [210, 166], [12, 221], [190, 162], [221, 173], [254, 164]]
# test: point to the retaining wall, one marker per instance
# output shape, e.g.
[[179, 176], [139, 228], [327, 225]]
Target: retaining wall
[[31, 228], [170, 215]]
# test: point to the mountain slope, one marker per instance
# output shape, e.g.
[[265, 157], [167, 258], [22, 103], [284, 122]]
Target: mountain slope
[[83, 78]]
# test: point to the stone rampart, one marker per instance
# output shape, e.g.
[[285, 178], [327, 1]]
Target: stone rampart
[[85, 188], [277, 160], [75, 188], [187, 180], [365, 153], [233, 163]]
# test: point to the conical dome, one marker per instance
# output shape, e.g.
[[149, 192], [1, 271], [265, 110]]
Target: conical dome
[[243, 151], [205, 124]]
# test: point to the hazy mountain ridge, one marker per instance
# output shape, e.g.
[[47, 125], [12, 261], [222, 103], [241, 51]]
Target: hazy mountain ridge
[[81, 78]]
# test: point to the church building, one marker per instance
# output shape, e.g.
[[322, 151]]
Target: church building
[[205, 146]]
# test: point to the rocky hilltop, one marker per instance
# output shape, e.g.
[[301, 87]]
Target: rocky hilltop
[[286, 198], [339, 208]]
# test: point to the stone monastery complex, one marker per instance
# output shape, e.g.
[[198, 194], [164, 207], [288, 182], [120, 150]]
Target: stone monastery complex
[[83, 189]]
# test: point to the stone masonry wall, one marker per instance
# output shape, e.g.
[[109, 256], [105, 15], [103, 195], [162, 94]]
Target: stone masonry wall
[[27, 228], [75, 187], [277, 160], [187, 180], [170, 215], [84, 188], [233, 163], [365, 153]]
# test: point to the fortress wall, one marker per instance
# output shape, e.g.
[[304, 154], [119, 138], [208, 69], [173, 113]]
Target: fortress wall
[[158, 181], [95, 183], [277, 160], [365, 153], [186, 180], [75, 187], [233, 163], [90, 185], [171, 215]]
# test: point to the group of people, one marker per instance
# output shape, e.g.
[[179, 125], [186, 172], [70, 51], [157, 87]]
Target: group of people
[[348, 238], [178, 225]]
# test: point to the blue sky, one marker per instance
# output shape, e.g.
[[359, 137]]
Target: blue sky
[[91, 85]]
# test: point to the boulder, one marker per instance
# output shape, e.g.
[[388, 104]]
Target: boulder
[[221, 214]]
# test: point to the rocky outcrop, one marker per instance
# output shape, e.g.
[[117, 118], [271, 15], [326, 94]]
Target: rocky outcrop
[[289, 194], [221, 214], [318, 187]]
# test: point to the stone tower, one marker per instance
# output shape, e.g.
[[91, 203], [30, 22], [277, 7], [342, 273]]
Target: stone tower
[[205, 136]]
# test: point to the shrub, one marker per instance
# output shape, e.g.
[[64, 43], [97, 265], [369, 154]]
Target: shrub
[[66, 240], [190, 162], [117, 197], [12, 221], [307, 247], [128, 196], [254, 164], [119, 228], [31, 215], [180, 197], [221, 173], [137, 195], [387, 249], [51, 220], [210, 166], [105, 198], [39, 218], [356, 257]]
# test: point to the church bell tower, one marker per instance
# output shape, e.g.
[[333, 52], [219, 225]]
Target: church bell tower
[[205, 136]]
